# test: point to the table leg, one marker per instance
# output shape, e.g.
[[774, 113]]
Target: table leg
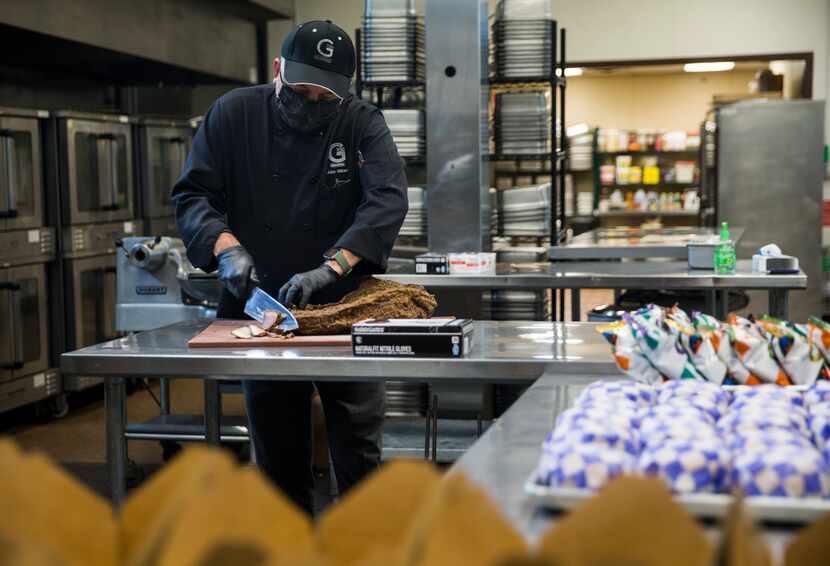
[[115, 393], [575, 306], [435, 429], [553, 305], [710, 301], [212, 411], [779, 303], [722, 305], [164, 395], [428, 431]]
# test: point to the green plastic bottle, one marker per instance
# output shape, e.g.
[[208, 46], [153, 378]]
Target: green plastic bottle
[[725, 253]]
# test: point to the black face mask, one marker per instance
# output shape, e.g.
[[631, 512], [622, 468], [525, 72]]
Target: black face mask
[[305, 115]]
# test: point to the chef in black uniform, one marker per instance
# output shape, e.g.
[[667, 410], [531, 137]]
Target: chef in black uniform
[[297, 187]]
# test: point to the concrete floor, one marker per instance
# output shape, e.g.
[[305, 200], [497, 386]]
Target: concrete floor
[[77, 441]]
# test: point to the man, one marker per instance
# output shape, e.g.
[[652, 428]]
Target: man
[[297, 187]]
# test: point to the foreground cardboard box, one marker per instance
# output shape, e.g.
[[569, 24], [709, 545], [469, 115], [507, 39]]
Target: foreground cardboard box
[[205, 510]]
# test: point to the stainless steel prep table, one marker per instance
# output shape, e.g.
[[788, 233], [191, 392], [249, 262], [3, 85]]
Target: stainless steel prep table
[[502, 352], [674, 275], [614, 243], [503, 458]]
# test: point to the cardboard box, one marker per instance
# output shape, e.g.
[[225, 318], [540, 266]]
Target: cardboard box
[[406, 337]]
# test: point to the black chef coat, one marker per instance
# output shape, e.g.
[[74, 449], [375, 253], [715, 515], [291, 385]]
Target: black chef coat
[[290, 196]]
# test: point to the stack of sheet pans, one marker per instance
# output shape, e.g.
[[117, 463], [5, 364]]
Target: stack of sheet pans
[[408, 131], [581, 152], [522, 38], [415, 222], [392, 49], [517, 254], [522, 123], [405, 399], [525, 211], [513, 305]]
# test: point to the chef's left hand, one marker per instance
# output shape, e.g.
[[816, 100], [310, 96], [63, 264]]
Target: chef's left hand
[[302, 286]]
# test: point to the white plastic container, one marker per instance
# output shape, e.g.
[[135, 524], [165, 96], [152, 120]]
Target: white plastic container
[[482, 263]]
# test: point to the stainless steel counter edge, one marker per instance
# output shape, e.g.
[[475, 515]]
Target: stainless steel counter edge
[[326, 369], [502, 352], [573, 278]]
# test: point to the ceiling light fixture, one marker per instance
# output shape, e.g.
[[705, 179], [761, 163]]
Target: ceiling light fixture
[[569, 71], [710, 67]]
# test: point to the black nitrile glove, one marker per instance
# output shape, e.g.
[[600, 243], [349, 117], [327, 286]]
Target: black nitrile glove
[[236, 271], [299, 288]]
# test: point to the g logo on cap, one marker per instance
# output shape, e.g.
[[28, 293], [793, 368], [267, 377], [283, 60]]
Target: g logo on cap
[[325, 47]]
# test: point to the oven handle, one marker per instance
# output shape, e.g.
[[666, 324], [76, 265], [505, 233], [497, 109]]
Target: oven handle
[[106, 182], [114, 179], [17, 355], [175, 164], [10, 157]]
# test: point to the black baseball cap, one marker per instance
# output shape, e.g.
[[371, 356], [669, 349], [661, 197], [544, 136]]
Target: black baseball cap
[[319, 53]]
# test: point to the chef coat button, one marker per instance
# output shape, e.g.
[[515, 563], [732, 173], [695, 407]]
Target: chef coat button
[[307, 226], [275, 177], [268, 227]]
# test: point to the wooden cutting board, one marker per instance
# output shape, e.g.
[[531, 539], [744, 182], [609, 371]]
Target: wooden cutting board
[[218, 335]]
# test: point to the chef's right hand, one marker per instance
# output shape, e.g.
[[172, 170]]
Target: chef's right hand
[[236, 271]]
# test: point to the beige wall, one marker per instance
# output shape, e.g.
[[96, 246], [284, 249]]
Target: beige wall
[[608, 30], [675, 101]]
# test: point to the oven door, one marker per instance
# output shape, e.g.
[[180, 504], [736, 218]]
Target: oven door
[[21, 191], [100, 172], [166, 150], [23, 331], [93, 289]]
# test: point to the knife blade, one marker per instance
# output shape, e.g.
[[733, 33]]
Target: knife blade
[[260, 301]]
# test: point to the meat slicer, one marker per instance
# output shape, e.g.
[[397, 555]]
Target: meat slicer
[[157, 285]]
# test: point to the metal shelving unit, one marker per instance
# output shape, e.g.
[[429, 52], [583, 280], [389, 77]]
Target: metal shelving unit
[[671, 185], [557, 157], [646, 213], [648, 153], [379, 87], [671, 155]]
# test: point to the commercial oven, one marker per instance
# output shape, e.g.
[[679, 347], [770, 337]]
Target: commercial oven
[[164, 226], [21, 188], [90, 286], [96, 167], [90, 302], [26, 375], [164, 146], [24, 341]]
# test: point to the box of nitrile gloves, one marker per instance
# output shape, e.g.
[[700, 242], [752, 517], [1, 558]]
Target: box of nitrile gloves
[[413, 337], [432, 264]]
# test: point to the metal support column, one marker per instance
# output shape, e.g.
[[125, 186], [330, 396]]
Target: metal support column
[[779, 303], [115, 393], [722, 308], [213, 411], [457, 126], [710, 300]]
